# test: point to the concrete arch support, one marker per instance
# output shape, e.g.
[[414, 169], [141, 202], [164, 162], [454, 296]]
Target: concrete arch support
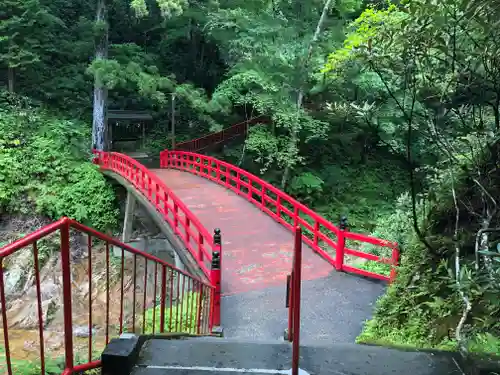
[[128, 222]]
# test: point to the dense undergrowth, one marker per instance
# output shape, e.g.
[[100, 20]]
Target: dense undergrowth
[[45, 166], [182, 317], [423, 307], [446, 292]]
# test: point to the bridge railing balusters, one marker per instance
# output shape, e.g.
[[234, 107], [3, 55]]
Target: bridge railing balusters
[[189, 303], [183, 222], [326, 239], [198, 144]]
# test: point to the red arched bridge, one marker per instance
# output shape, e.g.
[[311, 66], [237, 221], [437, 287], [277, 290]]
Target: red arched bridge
[[265, 249]]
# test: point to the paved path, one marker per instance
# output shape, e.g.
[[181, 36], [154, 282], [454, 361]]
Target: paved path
[[256, 251], [257, 256]]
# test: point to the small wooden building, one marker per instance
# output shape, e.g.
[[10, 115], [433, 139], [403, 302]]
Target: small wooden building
[[127, 131]]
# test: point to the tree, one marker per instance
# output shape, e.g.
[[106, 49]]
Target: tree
[[274, 49], [25, 31], [439, 64], [168, 8], [300, 92]]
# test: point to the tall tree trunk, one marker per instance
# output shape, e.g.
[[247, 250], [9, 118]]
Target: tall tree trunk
[[300, 94], [11, 78], [99, 131]]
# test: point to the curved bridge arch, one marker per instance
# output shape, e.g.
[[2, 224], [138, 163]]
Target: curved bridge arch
[[174, 241], [164, 205]]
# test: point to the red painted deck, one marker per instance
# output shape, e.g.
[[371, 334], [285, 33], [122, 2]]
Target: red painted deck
[[256, 250]]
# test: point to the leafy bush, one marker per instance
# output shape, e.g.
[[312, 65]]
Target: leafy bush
[[419, 309], [396, 227], [485, 343], [184, 316], [45, 165], [422, 308], [27, 367], [363, 192], [306, 187]]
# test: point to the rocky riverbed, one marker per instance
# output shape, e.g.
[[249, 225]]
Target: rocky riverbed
[[21, 296]]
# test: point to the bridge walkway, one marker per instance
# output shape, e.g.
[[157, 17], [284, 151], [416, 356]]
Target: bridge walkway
[[257, 256]]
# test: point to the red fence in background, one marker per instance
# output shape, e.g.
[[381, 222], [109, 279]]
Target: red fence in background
[[320, 234], [160, 297], [194, 235], [199, 144]]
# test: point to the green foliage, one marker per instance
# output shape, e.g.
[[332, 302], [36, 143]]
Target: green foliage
[[485, 343], [363, 192], [44, 164], [419, 309], [25, 29], [365, 29], [182, 317], [422, 308], [168, 8], [85, 197], [53, 366], [396, 226], [306, 187], [275, 79], [27, 367], [418, 78], [415, 60]]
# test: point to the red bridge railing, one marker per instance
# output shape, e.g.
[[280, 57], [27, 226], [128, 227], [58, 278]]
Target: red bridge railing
[[138, 293], [328, 240], [185, 224], [225, 135]]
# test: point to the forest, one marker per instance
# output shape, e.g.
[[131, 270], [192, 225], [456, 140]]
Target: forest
[[385, 111]]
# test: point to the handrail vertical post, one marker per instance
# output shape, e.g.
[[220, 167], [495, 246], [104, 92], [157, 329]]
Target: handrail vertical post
[[339, 253], [394, 263], [66, 281], [216, 276], [290, 301], [296, 280], [162, 157], [163, 298]]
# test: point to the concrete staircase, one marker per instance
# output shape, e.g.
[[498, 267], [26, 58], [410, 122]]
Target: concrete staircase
[[211, 355]]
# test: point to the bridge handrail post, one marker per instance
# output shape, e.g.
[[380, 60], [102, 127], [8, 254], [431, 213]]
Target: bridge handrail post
[[296, 296], [394, 264], [339, 253], [165, 158], [67, 301], [216, 276], [290, 302], [162, 158]]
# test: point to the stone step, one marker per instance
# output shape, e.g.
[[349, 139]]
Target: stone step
[[208, 356]]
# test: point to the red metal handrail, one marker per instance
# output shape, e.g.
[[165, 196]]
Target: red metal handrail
[[285, 210], [199, 144], [185, 224], [190, 298], [294, 300]]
